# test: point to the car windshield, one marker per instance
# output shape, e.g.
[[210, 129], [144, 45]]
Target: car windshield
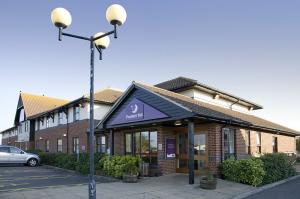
[[15, 150]]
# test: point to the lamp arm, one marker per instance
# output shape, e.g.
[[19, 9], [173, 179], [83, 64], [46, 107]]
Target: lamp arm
[[104, 35], [70, 35]]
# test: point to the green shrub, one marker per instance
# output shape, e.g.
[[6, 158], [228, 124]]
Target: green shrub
[[116, 165], [249, 171], [69, 161], [277, 166]]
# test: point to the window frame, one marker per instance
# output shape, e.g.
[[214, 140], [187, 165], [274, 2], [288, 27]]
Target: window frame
[[47, 145], [58, 146], [133, 144], [233, 154], [100, 145], [258, 145], [76, 145]]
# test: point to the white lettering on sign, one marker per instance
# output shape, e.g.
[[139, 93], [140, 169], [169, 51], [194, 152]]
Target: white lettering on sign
[[134, 116]]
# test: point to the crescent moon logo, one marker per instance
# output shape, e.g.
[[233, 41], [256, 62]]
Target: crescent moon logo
[[134, 108]]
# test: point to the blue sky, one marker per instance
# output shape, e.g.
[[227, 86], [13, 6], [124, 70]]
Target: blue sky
[[248, 48]]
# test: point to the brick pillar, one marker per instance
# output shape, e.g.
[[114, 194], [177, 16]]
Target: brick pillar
[[214, 147]]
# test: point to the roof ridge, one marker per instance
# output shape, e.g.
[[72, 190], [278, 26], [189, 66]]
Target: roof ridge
[[45, 96]]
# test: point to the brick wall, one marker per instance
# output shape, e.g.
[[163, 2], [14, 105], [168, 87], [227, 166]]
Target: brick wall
[[76, 129], [166, 166], [213, 143]]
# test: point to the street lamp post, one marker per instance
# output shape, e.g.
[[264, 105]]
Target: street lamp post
[[116, 16]]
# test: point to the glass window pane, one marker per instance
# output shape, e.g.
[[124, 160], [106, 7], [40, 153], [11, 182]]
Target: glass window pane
[[137, 143], [199, 144], [145, 146], [153, 147], [15, 150], [4, 149], [128, 143]]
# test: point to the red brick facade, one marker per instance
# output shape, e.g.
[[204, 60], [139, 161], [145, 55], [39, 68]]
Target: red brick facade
[[76, 129], [214, 144]]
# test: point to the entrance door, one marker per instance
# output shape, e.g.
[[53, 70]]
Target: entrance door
[[200, 153]]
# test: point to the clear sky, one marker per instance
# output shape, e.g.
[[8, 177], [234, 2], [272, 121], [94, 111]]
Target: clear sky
[[248, 48]]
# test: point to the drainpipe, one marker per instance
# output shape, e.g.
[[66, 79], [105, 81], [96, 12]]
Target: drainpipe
[[67, 117]]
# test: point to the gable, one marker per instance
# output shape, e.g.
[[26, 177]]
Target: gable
[[141, 106]]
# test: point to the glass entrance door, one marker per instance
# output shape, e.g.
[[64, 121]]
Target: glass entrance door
[[200, 153]]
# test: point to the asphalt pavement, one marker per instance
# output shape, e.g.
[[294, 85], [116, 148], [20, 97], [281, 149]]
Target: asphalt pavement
[[21, 178], [288, 190]]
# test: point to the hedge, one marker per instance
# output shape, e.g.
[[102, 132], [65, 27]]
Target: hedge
[[277, 166], [249, 171], [117, 164], [266, 169], [69, 161]]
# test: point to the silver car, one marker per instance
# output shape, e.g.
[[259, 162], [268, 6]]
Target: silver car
[[11, 154]]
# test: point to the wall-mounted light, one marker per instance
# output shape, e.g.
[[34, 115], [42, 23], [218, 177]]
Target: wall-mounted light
[[65, 135], [41, 138], [177, 123]]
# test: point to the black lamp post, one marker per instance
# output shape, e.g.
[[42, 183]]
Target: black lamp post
[[61, 18]]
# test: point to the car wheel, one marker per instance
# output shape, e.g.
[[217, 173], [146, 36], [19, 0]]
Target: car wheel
[[32, 162]]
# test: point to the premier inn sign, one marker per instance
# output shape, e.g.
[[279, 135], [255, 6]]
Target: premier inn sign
[[135, 111]]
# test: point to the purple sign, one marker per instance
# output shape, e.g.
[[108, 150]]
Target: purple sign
[[170, 147], [135, 111]]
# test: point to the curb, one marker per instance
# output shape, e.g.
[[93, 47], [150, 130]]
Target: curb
[[107, 179], [265, 187]]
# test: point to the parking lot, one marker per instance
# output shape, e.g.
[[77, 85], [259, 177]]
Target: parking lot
[[21, 178], [20, 182]]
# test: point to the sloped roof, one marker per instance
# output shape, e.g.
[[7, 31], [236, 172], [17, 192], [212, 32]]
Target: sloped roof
[[107, 95], [34, 104], [209, 110], [182, 83]]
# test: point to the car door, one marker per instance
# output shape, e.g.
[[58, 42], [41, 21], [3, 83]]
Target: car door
[[17, 155], [4, 155]]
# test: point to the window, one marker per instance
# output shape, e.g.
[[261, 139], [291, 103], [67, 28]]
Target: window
[[199, 144], [275, 145], [76, 113], [258, 142], [60, 118], [20, 129], [47, 145], [59, 145], [128, 143], [101, 144], [26, 126], [248, 142], [15, 150], [47, 122], [4, 150], [76, 145], [142, 144], [22, 115], [42, 122], [228, 143]]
